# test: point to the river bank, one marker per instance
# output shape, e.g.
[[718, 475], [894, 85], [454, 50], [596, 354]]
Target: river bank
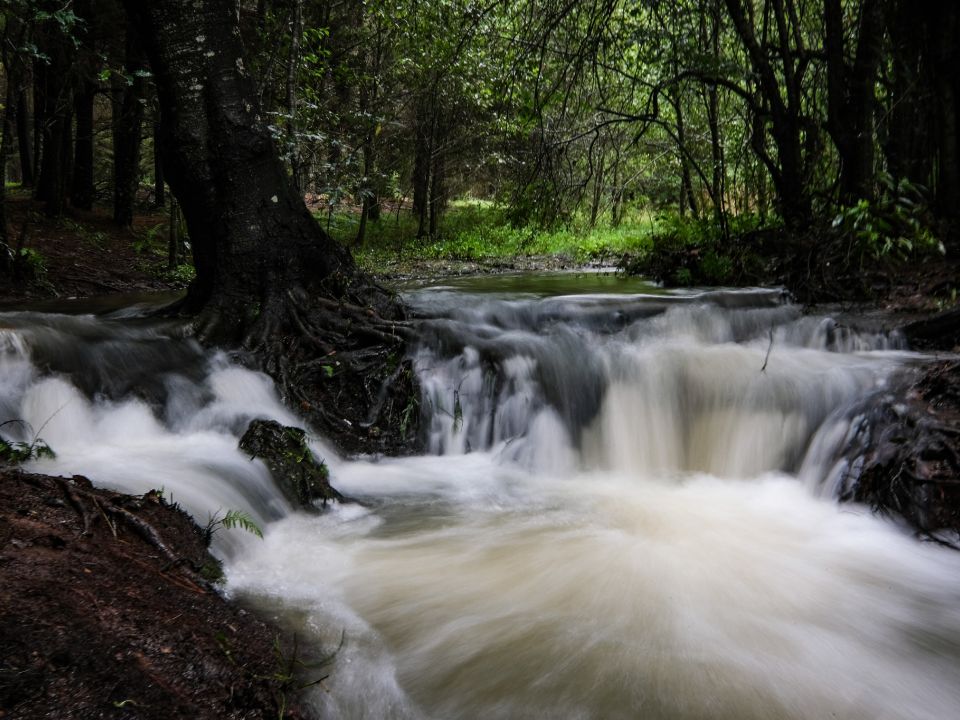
[[110, 610]]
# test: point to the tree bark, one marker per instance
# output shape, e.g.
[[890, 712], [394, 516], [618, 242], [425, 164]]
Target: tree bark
[[128, 135], [791, 134], [159, 184], [25, 136], [6, 139], [851, 96], [422, 164], [255, 245], [54, 94], [946, 69], [293, 63], [82, 186]]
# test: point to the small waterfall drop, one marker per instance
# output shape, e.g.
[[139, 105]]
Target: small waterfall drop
[[624, 510]]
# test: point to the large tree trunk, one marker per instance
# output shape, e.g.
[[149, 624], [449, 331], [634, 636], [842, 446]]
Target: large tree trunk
[[54, 95], [267, 274], [253, 239], [946, 68], [6, 138], [159, 182]]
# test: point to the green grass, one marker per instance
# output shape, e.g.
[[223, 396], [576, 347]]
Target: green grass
[[480, 230]]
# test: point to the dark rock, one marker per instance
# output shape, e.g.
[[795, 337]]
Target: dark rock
[[904, 457], [302, 478]]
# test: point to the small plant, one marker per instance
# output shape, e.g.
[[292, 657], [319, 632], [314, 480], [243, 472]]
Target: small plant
[[16, 452], [230, 520], [150, 239], [29, 263], [892, 225], [183, 273], [95, 237]]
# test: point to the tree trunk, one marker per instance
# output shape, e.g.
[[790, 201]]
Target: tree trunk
[[25, 136], [267, 274], [159, 184], [687, 198], [127, 137], [6, 139], [946, 68], [173, 238], [438, 191], [255, 245], [717, 176], [422, 164], [82, 187], [293, 63], [56, 102], [908, 148], [598, 180], [779, 87], [851, 96]]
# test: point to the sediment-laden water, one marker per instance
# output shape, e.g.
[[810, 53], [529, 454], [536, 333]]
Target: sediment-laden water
[[625, 510]]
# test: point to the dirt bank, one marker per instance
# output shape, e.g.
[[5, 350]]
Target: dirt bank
[[107, 613]]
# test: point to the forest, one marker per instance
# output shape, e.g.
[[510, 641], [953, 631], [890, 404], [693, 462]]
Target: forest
[[479, 358], [460, 129]]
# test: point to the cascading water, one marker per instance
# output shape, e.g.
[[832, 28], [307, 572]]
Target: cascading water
[[621, 513]]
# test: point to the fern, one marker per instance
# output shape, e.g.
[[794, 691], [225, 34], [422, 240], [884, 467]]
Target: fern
[[240, 519]]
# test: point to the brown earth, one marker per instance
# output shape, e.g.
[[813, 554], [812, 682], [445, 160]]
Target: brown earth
[[83, 254], [105, 613]]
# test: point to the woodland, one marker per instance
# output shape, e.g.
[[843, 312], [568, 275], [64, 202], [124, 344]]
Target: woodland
[[701, 139], [278, 163]]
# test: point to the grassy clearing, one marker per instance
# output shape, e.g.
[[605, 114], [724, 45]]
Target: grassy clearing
[[477, 230]]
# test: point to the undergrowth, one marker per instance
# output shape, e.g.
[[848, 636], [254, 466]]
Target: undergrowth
[[478, 230]]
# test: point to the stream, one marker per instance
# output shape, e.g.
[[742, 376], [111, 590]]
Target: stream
[[626, 508]]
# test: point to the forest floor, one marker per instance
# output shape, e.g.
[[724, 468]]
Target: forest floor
[[105, 613], [84, 254]]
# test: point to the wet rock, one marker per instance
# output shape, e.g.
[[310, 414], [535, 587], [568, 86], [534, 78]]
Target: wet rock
[[904, 459], [284, 450]]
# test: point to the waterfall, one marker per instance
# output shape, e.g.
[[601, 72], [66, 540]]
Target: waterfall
[[624, 509]]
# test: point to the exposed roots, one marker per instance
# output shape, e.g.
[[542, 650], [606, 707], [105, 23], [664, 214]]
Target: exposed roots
[[81, 499], [342, 365], [905, 460]]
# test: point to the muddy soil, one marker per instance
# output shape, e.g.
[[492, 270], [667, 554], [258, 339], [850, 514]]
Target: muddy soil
[[83, 254], [107, 610]]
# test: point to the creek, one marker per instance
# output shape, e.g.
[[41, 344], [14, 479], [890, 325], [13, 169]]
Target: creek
[[626, 508]]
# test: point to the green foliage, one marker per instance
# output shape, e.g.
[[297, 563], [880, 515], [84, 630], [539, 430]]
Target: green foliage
[[30, 263], [96, 238], [688, 251], [151, 240], [183, 273], [230, 520], [16, 453], [481, 230], [892, 226]]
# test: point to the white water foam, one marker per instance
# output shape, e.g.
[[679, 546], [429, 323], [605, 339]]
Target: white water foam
[[612, 524]]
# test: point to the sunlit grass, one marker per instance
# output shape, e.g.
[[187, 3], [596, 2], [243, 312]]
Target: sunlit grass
[[480, 230]]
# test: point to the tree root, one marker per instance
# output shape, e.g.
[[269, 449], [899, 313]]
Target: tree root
[[905, 459], [144, 529]]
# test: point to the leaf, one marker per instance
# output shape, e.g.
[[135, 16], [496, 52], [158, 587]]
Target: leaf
[[242, 520]]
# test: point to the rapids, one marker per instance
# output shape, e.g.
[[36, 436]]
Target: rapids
[[625, 510]]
